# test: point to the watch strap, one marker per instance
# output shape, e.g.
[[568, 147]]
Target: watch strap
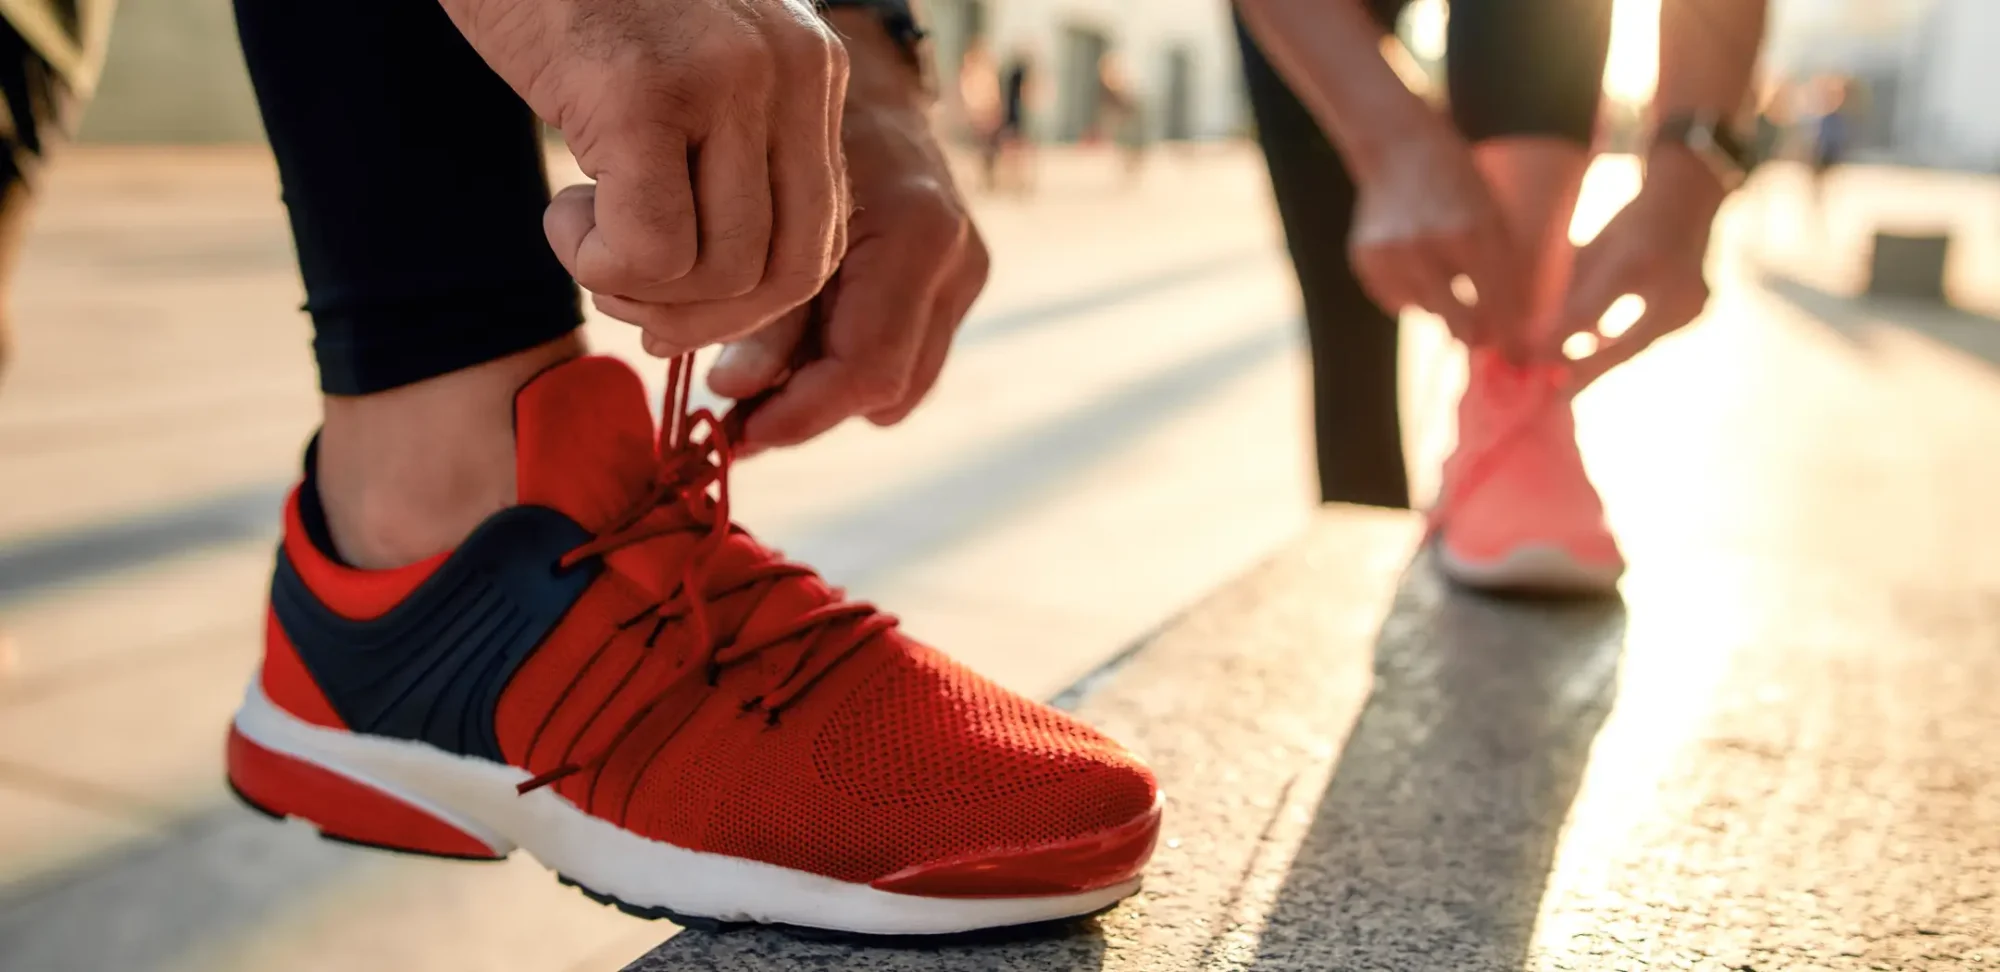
[[1710, 136]]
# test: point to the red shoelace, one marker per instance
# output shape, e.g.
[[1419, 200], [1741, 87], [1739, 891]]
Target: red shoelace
[[696, 450]]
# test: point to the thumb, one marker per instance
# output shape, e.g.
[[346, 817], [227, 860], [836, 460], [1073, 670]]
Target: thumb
[[759, 360]]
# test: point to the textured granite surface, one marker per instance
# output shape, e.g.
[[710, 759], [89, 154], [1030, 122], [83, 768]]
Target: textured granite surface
[[1369, 770]]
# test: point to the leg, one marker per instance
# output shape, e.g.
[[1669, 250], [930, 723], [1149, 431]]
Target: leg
[[1356, 429], [1525, 82], [1518, 511], [414, 180], [33, 105]]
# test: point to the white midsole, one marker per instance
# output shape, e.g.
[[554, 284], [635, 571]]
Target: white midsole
[[478, 797], [1531, 567]]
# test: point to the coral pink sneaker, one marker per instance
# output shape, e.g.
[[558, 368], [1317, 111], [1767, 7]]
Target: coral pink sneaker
[[1518, 513]]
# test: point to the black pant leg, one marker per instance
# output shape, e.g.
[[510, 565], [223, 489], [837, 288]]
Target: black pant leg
[[1356, 428], [1528, 67], [415, 184]]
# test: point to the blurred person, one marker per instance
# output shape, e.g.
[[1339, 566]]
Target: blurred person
[[1010, 150], [511, 611], [1468, 217], [1774, 119], [1122, 114], [979, 93], [50, 53], [1831, 134]]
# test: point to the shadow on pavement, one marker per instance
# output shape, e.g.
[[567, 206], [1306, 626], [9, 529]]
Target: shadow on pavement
[[155, 903], [1432, 845], [1860, 318]]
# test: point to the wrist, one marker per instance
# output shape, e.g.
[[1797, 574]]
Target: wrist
[[1392, 137], [1677, 175], [1679, 198]]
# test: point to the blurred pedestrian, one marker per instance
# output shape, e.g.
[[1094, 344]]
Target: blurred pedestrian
[[1832, 134], [50, 53], [1468, 217], [979, 93], [512, 610], [1010, 149], [1121, 113]]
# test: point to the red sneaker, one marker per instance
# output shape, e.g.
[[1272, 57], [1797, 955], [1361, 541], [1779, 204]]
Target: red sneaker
[[1517, 512], [614, 677]]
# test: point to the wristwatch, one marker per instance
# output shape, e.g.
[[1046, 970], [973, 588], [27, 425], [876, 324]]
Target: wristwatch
[[1712, 139], [897, 18]]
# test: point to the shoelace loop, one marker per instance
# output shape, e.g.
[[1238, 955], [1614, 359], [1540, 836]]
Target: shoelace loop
[[696, 451]]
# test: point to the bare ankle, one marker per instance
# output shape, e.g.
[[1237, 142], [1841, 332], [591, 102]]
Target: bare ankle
[[408, 473]]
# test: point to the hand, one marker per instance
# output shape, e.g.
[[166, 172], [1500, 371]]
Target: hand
[[914, 265], [1654, 249], [1423, 219], [710, 128]]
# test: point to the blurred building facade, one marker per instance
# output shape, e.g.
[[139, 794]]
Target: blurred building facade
[[174, 74], [1179, 56], [1926, 74]]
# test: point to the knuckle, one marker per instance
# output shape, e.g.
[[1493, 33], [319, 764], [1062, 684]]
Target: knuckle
[[942, 224], [797, 283], [736, 52], [729, 281], [802, 37]]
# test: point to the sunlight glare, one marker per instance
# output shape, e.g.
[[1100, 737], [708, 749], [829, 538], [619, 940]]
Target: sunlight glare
[[1633, 66], [1624, 313], [1424, 28]]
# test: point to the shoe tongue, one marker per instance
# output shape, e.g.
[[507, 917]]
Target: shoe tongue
[[583, 440]]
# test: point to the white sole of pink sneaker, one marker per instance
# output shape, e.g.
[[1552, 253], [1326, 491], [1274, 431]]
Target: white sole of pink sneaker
[[476, 798], [1532, 569]]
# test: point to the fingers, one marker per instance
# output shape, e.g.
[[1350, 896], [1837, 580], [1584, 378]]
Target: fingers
[[1597, 279], [1663, 315], [954, 302], [634, 229], [1610, 354], [760, 360], [718, 212], [1409, 274], [1618, 264], [878, 325], [1383, 271], [732, 180], [1433, 272], [1489, 260]]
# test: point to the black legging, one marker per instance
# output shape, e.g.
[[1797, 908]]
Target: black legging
[[415, 184], [1516, 67]]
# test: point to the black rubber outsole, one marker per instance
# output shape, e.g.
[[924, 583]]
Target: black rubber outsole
[[990, 936]]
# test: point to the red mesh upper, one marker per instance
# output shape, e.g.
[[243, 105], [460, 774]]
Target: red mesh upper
[[897, 757], [925, 762]]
